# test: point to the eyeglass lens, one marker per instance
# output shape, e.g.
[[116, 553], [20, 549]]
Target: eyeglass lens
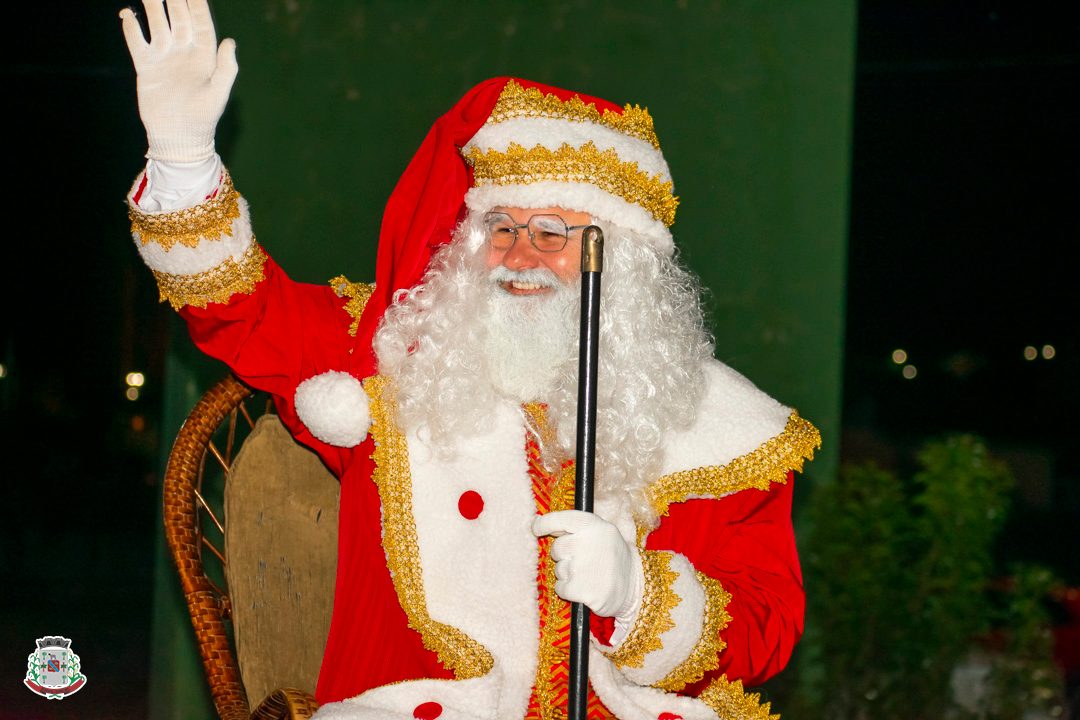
[[548, 233]]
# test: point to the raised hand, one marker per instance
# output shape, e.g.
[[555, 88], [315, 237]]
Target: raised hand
[[184, 77]]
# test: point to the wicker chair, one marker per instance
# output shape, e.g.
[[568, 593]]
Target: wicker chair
[[202, 473]]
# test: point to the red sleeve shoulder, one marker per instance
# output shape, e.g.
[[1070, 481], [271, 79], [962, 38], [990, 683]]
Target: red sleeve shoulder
[[274, 338], [745, 541]]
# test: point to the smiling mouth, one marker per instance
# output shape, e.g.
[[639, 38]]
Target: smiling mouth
[[519, 287]]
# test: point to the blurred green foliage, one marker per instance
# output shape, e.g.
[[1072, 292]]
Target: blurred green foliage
[[1023, 677], [900, 580]]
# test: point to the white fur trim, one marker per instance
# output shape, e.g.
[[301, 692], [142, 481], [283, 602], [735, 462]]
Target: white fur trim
[[480, 574], [635, 702], [679, 641], [475, 699], [733, 419], [580, 197], [334, 407], [553, 133], [207, 255]]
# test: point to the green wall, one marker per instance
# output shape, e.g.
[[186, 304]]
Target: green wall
[[752, 104]]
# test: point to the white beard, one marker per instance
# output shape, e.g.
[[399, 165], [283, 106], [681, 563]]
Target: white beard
[[458, 343], [529, 339]]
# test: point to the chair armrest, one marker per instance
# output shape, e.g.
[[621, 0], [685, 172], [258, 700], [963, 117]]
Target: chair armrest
[[286, 704]]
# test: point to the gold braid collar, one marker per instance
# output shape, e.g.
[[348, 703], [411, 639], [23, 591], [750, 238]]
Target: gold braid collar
[[358, 294], [768, 463]]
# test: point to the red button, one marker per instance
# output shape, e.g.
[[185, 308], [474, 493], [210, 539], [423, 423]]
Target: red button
[[427, 711], [669, 716], [470, 504]]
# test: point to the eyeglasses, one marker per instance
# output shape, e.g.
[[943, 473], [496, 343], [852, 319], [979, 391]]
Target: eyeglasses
[[547, 233]]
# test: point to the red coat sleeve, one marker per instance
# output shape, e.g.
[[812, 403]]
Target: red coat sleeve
[[745, 541], [272, 339]]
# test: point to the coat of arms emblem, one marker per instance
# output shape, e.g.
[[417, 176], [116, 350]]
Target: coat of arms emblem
[[53, 670]]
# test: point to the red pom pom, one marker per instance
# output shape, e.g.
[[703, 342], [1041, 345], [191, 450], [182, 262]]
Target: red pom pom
[[427, 711], [470, 504]]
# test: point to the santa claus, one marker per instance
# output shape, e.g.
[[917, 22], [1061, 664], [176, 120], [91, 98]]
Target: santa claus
[[444, 398]]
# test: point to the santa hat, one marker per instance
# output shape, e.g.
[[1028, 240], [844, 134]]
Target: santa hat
[[543, 147], [513, 143], [517, 143]]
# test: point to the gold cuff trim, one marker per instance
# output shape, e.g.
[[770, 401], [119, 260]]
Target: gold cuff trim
[[654, 618], [705, 655], [586, 164], [758, 469], [215, 285], [358, 294], [190, 226], [731, 702], [515, 101], [457, 651]]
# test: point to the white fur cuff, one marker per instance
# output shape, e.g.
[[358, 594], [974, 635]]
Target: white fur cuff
[[688, 629], [334, 407]]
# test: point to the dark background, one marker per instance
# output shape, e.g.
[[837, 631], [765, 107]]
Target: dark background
[[964, 197], [963, 215]]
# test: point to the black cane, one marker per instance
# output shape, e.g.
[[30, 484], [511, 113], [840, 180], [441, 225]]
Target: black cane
[[592, 264]]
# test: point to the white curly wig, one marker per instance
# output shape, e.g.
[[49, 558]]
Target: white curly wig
[[435, 341]]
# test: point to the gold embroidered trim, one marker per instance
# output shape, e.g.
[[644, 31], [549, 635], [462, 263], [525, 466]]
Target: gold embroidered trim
[[704, 656], [548, 654], [654, 618], [586, 164], [358, 294], [516, 101], [768, 463], [457, 651], [731, 702], [562, 497], [190, 226], [215, 285]]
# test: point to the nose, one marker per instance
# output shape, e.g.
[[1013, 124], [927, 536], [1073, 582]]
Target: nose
[[522, 255]]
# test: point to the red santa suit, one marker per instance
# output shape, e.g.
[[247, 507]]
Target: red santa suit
[[444, 602]]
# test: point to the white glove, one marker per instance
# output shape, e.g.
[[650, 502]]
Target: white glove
[[184, 77], [593, 564]]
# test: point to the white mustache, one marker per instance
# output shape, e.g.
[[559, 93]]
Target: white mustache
[[540, 276]]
